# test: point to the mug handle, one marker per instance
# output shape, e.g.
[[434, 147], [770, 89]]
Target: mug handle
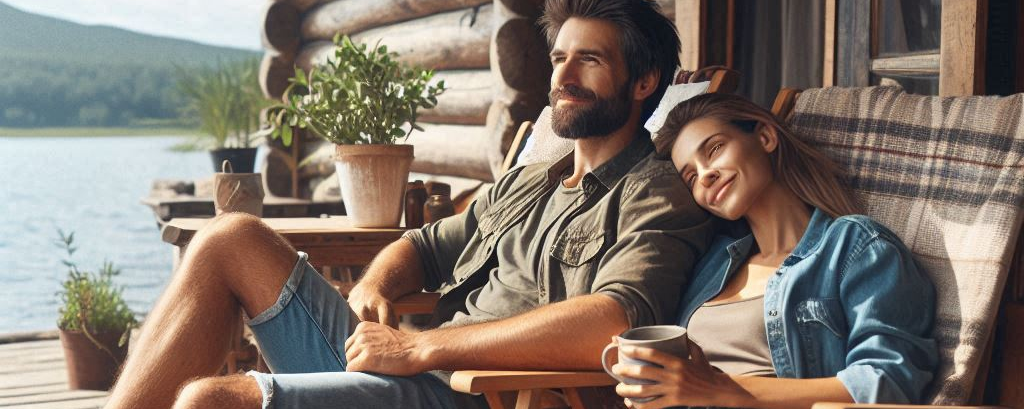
[[604, 360]]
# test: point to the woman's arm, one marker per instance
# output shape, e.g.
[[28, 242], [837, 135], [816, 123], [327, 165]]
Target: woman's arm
[[694, 382]]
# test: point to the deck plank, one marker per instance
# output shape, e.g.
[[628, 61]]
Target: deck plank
[[33, 375]]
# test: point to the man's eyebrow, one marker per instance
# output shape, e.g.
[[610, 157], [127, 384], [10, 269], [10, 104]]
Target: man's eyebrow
[[589, 52]]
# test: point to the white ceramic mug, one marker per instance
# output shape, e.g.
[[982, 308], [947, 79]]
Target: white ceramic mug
[[670, 339]]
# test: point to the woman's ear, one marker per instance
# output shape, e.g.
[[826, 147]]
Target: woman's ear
[[768, 137], [645, 85]]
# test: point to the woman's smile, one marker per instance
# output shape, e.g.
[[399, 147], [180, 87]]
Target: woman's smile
[[716, 196]]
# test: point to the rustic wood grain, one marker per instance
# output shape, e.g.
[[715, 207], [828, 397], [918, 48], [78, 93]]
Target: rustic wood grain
[[353, 16]]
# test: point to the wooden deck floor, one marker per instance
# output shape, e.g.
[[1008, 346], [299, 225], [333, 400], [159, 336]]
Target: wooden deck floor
[[32, 375]]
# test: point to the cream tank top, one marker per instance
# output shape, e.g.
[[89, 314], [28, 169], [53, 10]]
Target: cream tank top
[[733, 337]]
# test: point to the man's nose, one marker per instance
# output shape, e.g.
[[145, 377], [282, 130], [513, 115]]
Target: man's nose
[[565, 73]]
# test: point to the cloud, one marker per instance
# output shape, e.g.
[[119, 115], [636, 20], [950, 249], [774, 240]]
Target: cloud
[[234, 23]]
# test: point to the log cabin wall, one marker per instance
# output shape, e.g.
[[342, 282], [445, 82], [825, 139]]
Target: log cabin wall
[[490, 53]]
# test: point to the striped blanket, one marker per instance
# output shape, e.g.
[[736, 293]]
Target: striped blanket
[[947, 175]]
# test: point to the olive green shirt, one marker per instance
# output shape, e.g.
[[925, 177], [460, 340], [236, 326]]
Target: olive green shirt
[[630, 230]]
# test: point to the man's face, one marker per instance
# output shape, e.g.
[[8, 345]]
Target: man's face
[[590, 92]]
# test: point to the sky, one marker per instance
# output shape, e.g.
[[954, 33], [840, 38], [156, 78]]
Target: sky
[[233, 23]]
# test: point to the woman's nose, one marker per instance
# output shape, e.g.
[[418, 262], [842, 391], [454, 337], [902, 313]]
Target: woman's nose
[[709, 177]]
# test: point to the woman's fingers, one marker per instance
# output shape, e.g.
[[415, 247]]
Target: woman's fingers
[[647, 372], [651, 355]]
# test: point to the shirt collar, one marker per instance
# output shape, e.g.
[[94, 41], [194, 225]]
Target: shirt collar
[[610, 172], [740, 249]]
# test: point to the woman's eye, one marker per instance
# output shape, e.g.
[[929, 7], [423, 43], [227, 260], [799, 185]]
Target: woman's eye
[[691, 179], [714, 149]]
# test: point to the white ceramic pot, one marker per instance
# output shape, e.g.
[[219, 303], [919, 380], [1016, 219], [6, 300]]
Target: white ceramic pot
[[372, 180]]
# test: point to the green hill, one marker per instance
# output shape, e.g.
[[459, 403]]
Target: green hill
[[60, 73]]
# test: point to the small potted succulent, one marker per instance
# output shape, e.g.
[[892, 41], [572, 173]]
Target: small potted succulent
[[363, 100], [226, 100], [94, 323]]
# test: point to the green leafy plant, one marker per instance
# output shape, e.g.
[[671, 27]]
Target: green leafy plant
[[226, 99], [91, 303], [361, 96]]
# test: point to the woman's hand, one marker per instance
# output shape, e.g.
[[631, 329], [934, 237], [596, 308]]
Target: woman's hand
[[680, 381]]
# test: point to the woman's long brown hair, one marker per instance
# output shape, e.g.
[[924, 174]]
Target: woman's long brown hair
[[811, 175]]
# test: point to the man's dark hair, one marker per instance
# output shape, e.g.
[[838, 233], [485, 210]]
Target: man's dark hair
[[649, 40]]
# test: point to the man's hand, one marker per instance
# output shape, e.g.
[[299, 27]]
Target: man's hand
[[381, 349], [372, 306]]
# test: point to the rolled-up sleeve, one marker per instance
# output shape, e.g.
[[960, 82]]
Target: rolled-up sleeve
[[661, 234], [890, 308]]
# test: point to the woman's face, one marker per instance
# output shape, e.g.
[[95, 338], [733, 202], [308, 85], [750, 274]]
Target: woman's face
[[726, 168]]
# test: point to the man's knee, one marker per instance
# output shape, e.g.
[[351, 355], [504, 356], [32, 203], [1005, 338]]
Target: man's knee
[[235, 391]]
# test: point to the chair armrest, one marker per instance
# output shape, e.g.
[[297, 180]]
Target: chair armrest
[[834, 405], [495, 381]]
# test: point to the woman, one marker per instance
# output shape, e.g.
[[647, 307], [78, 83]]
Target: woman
[[816, 304]]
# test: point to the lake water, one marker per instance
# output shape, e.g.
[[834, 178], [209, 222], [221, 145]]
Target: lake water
[[92, 186]]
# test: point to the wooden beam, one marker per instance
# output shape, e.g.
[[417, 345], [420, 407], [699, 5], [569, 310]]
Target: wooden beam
[[690, 23], [828, 73], [911, 64], [962, 52]]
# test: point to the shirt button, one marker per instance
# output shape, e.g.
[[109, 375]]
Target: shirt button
[[773, 313]]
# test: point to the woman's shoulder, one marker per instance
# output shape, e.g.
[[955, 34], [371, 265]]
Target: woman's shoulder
[[859, 227]]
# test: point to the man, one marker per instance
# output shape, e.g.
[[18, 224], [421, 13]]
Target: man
[[538, 273]]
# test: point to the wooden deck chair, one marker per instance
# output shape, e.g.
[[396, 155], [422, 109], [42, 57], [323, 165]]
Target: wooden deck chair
[[946, 175]]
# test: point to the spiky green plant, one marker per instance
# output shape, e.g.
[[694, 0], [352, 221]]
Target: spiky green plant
[[90, 302], [226, 100], [361, 96]]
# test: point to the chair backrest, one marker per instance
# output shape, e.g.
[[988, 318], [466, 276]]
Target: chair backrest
[[535, 142], [947, 175]]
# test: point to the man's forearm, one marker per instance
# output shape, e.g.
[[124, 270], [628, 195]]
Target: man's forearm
[[568, 335], [396, 271]]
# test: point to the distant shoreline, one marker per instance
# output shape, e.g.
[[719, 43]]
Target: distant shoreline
[[97, 131]]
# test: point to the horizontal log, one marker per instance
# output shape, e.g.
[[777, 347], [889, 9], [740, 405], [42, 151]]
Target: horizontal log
[[281, 28], [455, 150], [453, 40], [465, 101], [353, 16], [274, 73], [519, 55]]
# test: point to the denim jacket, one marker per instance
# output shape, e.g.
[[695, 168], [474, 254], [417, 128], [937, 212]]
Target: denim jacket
[[849, 302]]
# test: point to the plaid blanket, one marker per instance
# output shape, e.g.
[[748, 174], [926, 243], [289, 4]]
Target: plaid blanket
[[947, 175]]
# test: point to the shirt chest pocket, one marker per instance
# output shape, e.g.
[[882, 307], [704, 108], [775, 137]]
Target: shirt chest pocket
[[821, 314], [575, 248]]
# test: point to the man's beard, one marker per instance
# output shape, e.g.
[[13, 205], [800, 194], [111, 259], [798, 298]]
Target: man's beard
[[602, 117]]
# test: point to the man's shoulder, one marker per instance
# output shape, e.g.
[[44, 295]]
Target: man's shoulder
[[653, 173]]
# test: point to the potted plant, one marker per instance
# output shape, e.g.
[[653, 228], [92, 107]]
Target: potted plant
[[94, 323], [226, 100], [363, 100]]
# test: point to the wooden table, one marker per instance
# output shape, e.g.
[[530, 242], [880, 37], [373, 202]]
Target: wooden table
[[330, 241], [166, 208]]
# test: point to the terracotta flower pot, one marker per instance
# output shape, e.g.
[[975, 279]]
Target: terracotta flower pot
[[372, 180], [90, 367]]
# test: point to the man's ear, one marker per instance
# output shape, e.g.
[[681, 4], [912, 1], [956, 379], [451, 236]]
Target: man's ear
[[646, 85], [768, 136]]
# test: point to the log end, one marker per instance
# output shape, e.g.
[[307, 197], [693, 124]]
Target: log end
[[281, 22]]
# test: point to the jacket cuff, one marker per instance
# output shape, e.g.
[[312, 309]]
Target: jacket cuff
[[867, 384]]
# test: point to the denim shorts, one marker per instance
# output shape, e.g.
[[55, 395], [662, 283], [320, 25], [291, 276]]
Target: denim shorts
[[302, 338]]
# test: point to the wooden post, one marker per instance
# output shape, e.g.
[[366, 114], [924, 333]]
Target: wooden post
[[690, 17], [962, 56], [853, 51], [828, 68]]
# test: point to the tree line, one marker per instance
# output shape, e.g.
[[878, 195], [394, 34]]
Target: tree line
[[54, 93]]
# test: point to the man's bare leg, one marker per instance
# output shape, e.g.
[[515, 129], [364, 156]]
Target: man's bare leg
[[236, 261]]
